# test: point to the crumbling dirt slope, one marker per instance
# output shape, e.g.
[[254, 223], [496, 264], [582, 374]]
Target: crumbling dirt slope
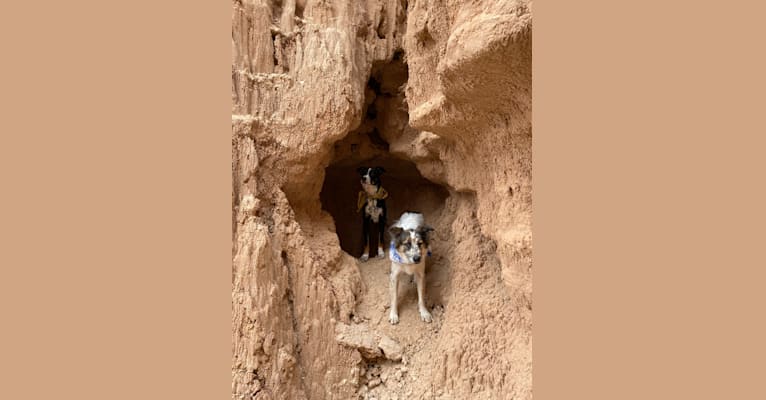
[[438, 92]]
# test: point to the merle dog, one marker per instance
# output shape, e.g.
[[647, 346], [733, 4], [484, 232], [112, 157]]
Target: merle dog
[[372, 203], [410, 245]]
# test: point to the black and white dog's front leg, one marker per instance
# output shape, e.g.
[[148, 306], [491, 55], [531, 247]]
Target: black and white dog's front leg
[[366, 237], [381, 231]]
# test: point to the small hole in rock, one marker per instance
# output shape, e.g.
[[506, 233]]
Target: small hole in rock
[[382, 27]]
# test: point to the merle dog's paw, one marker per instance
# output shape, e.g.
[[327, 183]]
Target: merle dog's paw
[[393, 318], [425, 315]]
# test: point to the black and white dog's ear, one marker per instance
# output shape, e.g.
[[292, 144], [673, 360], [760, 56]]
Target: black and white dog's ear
[[379, 170], [362, 170]]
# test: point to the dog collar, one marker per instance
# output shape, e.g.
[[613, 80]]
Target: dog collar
[[395, 257]]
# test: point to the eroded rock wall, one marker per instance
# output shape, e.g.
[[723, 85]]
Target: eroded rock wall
[[300, 69], [471, 85], [469, 95]]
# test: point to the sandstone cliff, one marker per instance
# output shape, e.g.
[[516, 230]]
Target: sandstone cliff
[[439, 93]]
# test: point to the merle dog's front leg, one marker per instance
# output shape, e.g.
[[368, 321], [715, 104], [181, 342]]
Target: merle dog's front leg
[[365, 238], [393, 291], [420, 280]]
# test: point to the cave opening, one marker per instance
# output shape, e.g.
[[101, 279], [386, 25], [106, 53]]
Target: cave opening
[[407, 189], [385, 121]]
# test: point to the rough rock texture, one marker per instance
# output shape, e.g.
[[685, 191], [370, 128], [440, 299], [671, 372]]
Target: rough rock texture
[[440, 93], [371, 344]]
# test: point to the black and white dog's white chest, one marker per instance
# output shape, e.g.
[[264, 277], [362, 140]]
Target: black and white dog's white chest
[[373, 208]]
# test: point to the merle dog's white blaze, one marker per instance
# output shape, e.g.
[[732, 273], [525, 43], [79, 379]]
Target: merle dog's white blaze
[[410, 221]]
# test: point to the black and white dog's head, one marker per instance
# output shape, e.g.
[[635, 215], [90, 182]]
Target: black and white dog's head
[[375, 203], [410, 237], [370, 176]]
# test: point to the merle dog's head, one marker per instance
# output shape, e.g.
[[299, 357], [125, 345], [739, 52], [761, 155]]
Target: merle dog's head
[[411, 244], [371, 176]]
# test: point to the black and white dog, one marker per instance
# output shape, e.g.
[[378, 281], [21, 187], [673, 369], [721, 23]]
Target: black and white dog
[[410, 245], [372, 203]]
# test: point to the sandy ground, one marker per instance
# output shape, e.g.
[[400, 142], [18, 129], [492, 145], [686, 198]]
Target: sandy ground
[[400, 379]]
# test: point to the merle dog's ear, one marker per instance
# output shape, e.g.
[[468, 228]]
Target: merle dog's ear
[[395, 231], [424, 232], [361, 170]]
